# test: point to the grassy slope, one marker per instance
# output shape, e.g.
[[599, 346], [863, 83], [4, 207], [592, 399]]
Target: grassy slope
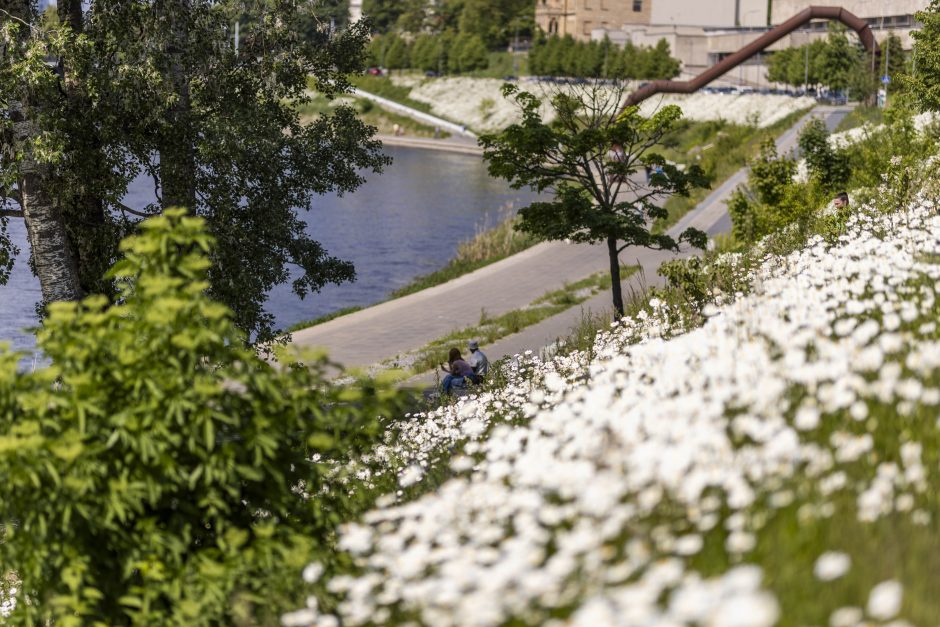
[[370, 113]]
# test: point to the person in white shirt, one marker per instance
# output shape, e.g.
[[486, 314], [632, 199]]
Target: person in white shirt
[[477, 360]]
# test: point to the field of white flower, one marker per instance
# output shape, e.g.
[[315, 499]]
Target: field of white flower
[[774, 459], [478, 103]]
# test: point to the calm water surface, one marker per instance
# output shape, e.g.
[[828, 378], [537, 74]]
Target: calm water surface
[[403, 223]]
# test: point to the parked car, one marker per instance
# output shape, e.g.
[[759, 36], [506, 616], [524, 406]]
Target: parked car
[[374, 71]]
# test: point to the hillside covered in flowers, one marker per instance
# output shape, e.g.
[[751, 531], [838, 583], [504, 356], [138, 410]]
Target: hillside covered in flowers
[[771, 456]]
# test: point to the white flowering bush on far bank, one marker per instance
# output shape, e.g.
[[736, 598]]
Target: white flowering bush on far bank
[[480, 104], [778, 463]]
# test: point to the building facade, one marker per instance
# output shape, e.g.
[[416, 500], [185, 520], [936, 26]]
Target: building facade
[[579, 18], [729, 25], [714, 14]]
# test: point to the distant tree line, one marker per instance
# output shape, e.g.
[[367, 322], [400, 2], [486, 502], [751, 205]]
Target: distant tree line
[[495, 22], [563, 56], [443, 53], [838, 64]]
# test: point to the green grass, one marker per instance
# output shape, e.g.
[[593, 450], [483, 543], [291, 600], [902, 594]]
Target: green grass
[[384, 87], [860, 116], [372, 114], [486, 247], [720, 149]]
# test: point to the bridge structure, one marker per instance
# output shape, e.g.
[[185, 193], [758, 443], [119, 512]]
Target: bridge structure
[[763, 42]]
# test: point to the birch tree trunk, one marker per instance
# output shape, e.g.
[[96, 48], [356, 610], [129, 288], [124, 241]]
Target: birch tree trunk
[[51, 252], [52, 255]]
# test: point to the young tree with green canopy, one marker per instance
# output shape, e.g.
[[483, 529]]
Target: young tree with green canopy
[[157, 90], [396, 53], [383, 14], [467, 53], [893, 58], [827, 166], [592, 158], [924, 80], [837, 60]]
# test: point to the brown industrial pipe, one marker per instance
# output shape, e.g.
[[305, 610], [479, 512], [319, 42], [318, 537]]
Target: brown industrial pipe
[[764, 41]]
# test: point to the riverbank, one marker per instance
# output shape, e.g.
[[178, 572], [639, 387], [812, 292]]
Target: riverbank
[[382, 333]]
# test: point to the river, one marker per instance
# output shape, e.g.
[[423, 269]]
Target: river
[[403, 223]]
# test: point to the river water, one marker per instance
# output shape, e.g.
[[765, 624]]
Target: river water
[[403, 223]]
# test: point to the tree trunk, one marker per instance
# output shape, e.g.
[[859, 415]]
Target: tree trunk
[[52, 255], [615, 275], [177, 153], [70, 12], [82, 206]]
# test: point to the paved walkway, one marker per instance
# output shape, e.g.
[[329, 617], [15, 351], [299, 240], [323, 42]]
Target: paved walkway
[[398, 326]]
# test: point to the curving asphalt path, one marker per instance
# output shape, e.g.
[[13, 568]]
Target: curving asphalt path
[[405, 324]]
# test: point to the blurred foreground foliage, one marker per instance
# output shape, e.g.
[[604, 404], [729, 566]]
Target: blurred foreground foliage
[[158, 472]]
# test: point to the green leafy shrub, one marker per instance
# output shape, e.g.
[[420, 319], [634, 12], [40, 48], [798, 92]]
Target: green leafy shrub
[[828, 166], [158, 472]]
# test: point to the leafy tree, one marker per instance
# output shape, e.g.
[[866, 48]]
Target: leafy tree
[[156, 90], [496, 21], [396, 53], [445, 15], [770, 200], [160, 473], [563, 56], [414, 16], [837, 59], [327, 11], [383, 14], [427, 53], [468, 53], [924, 83], [893, 58], [771, 175], [802, 66], [660, 63], [829, 167], [778, 65], [592, 158]]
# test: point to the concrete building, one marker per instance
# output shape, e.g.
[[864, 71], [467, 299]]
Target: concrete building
[[715, 14], [579, 18], [355, 10], [725, 26]]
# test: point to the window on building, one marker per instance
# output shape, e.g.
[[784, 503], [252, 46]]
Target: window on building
[[553, 27], [637, 6], [587, 28]]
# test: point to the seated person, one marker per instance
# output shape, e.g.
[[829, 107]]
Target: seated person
[[457, 371], [477, 361]]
